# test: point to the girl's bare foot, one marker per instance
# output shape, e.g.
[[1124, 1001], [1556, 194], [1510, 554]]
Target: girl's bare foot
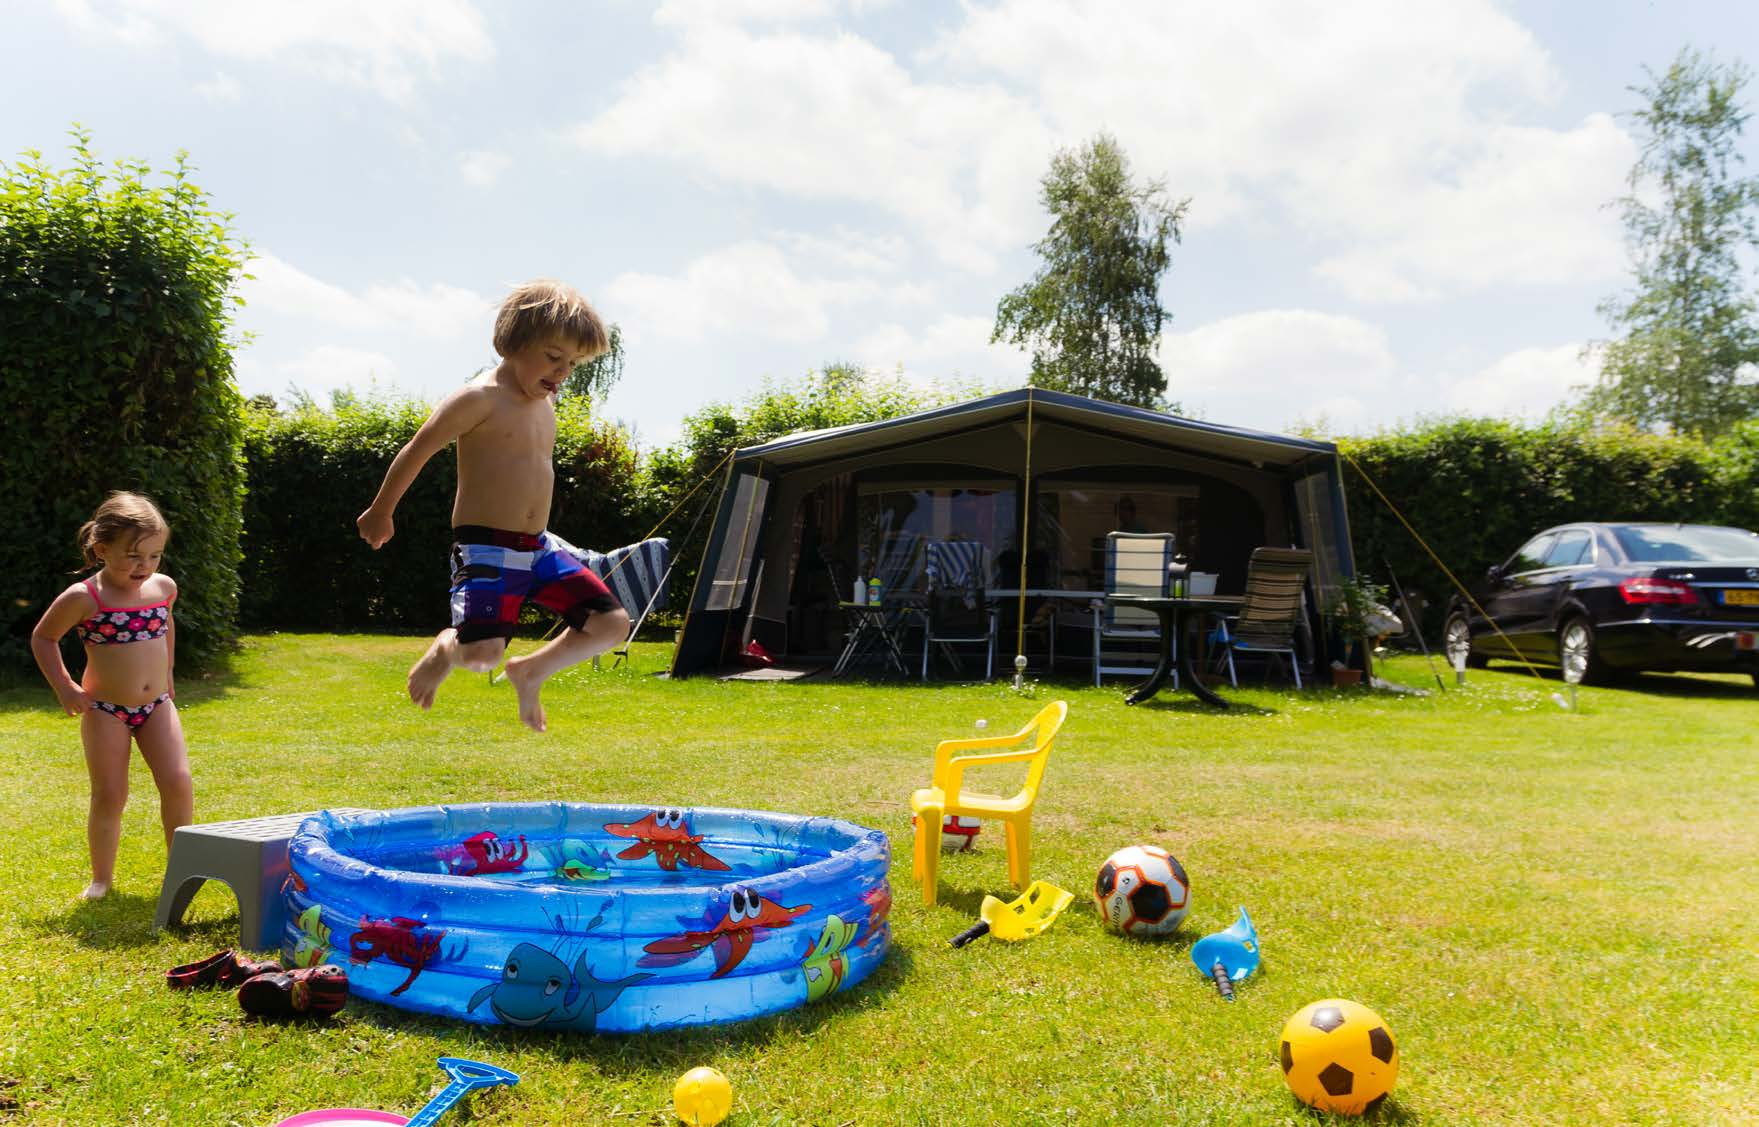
[[527, 683], [96, 890], [427, 673]]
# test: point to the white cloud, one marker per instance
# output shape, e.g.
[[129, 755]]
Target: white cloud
[[750, 288], [1271, 369], [316, 371], [691, 13], [835, 117], [481, 168], [328, 367], [220, 88], [435, 310], [1401, 143], [387, 45], [948, 346], [279, 287], [120, 26], [1526, 384]]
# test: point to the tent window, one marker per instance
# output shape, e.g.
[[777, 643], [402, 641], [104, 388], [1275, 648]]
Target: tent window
[[1070, 522], [894, 522], [1318, 522], [739, 543]]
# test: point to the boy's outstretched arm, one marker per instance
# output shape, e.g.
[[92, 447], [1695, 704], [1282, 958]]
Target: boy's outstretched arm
[[460, 411]]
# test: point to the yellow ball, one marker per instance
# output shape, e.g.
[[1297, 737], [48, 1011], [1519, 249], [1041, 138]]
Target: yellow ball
[[702, 1097], [1339, 1056]]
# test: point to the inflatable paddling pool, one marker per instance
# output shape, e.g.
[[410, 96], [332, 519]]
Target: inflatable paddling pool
[[588, 917]]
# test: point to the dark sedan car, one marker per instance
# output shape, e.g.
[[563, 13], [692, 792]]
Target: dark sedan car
[[1600, 599]]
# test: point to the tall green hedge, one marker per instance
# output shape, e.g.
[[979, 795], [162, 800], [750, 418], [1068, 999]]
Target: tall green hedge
[[116, 373], [1477, 489], [312, 472]]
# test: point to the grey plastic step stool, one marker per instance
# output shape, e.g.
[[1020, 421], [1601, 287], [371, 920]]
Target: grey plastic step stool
[[249, 856]]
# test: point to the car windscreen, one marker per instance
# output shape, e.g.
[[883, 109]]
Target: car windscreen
[[1700, 542]]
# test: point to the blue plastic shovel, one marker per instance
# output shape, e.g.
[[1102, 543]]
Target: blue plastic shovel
[[465, 1074], [1228, 956]]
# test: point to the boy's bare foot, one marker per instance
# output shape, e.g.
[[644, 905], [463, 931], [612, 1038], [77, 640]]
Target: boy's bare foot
[[427, 673], [96, 890], [527, 684]]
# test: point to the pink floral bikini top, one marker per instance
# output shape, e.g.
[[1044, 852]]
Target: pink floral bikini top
[[115, 625]]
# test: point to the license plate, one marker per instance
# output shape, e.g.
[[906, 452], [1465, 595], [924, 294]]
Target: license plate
[[1743, 597], [1747, 640]]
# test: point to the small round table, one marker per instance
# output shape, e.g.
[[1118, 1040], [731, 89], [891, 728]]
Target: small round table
[[1171, 611]]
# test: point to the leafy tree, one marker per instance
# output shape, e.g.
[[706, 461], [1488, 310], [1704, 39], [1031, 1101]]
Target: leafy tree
[[1685, 361], [594, 379], [1092, 313]]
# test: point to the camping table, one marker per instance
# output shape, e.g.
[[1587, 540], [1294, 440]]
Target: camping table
[[1172, 625], [871, 628]]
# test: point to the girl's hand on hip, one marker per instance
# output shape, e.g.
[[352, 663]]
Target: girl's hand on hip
[[75, 701]]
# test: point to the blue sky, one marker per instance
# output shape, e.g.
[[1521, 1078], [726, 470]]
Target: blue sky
[[1396, 208]]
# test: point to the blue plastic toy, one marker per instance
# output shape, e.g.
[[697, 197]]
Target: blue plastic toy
[[1228, 956], [465, 1074]]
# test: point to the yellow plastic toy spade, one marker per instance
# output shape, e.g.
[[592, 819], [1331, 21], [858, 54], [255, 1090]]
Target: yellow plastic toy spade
[[1020, 918]]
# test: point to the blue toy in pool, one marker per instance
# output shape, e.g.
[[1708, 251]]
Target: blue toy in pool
[[560, 915]]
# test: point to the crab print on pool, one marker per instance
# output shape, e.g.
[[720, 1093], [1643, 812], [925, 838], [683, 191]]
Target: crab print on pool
[[730, 931], [666, 834]]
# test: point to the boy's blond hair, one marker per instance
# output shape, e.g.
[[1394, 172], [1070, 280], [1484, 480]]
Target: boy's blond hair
[[547, 308], [122, 516]]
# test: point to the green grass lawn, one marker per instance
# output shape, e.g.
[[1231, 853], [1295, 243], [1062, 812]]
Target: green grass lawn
[[1556, 913]]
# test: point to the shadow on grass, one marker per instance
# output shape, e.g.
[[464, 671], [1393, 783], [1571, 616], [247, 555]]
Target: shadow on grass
[[641, 1053], [115, 923], [1387, 1111], [1673, 686], [1173, 700]]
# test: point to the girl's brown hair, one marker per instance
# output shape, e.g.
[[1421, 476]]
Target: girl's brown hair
[[122, 516]]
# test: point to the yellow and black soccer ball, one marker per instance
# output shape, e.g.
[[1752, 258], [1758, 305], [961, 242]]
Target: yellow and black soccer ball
[[1337, 1055]]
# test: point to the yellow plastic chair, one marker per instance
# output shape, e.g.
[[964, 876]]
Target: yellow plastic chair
[[946, 795]]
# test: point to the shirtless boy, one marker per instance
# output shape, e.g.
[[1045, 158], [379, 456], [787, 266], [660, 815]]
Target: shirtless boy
[[505, 425]]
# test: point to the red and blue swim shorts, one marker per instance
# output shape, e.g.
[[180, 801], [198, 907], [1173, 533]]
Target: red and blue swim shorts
[[494, 573]]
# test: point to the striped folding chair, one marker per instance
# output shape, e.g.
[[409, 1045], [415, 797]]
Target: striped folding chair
[[1273, 606], [638, 575]]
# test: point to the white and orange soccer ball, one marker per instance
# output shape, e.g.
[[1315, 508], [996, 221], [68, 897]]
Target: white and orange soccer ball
[[1142, 890]]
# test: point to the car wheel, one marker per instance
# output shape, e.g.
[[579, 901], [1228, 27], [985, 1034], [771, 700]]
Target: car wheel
[[1576, 654], [1456, 639]]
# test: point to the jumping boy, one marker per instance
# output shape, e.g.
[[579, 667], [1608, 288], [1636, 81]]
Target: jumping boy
[[505, 425]]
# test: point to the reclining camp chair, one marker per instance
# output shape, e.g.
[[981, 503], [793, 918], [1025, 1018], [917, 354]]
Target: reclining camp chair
[[1272, 609]]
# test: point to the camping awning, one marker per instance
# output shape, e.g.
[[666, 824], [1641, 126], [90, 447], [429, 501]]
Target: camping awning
[[1234, 444]]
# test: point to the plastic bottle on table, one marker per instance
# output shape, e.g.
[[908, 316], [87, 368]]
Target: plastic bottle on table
[[858, 596], [873, 591]]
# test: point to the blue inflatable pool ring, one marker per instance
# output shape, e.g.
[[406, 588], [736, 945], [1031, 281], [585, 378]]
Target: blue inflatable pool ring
[[589, 917]]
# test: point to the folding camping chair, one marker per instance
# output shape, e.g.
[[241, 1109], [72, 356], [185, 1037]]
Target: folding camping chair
[[955, 610], [1135, 564], [1274, 606], [639, 575]]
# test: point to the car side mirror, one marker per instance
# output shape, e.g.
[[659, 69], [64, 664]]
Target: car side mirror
[[1493, 573]]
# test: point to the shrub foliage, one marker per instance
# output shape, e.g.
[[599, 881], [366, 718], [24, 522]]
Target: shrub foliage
[[1477, 489], [116, 374]]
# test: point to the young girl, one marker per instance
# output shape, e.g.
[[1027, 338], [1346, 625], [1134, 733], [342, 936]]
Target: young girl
[[123, 615]]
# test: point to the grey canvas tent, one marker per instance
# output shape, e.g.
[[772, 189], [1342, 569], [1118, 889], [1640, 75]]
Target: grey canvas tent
[[802, 517]]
